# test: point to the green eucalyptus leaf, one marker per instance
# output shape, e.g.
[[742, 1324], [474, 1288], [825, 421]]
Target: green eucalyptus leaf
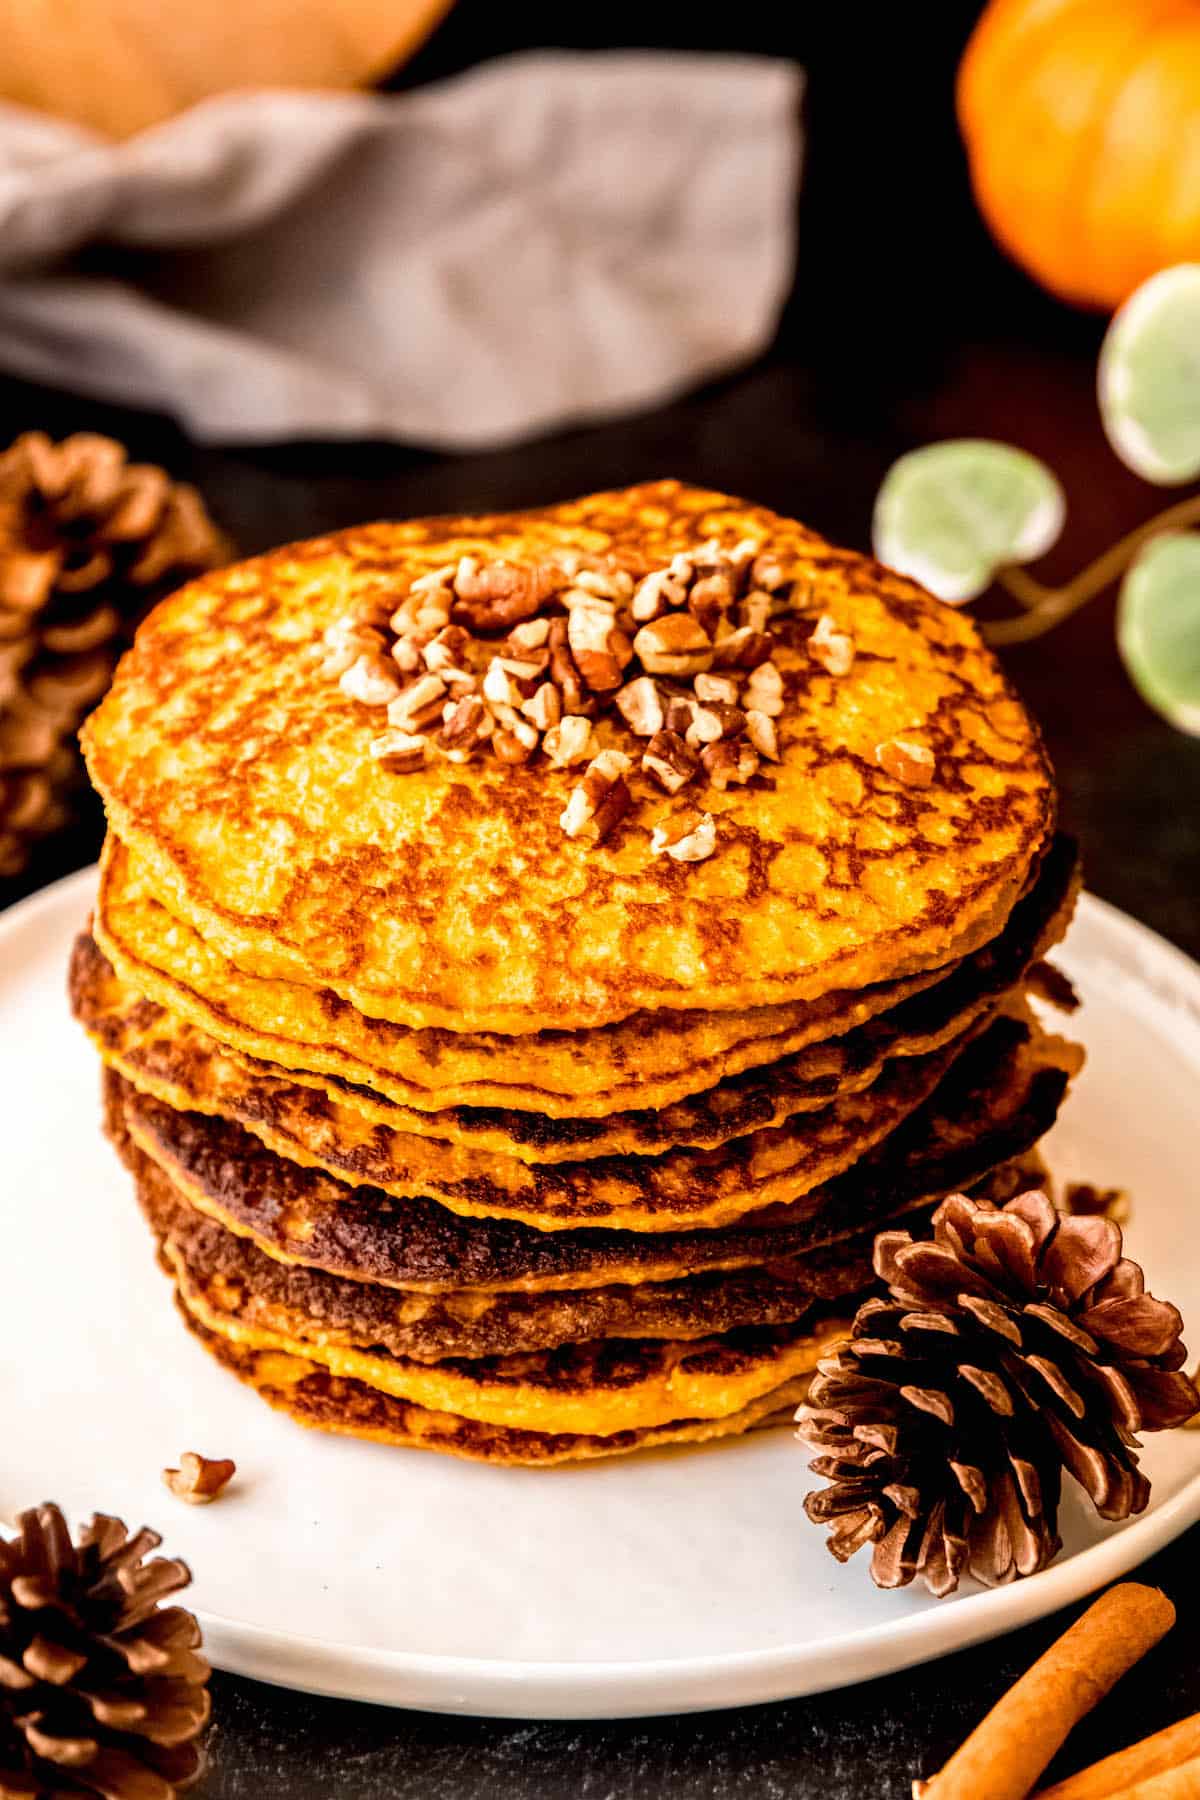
[[1158, 626], [953, 514], [1149, 377]]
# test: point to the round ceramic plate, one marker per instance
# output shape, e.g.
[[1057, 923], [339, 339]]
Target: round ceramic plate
[[679, 1579]]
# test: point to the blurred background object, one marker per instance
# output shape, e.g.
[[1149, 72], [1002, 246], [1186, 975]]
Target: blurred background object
[[88, 542], [118, 66], [1082, 124], [548, 238]]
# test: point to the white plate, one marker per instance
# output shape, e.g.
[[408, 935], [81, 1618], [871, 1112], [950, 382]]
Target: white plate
[[676, 1580]]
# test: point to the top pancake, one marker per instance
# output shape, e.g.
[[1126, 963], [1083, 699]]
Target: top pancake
[[450, 897]]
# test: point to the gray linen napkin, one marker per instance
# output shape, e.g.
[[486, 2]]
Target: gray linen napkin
[[548, 238]]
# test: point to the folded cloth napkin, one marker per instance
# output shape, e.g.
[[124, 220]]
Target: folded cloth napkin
[[548, 238]]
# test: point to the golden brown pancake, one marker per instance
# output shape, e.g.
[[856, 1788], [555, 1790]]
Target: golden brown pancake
[[606, 1385], [1000, 1096], [310, 1395], [260, 1290], [239, 778], [428, 1327], [648, 1060], [681, 1188], [333, 1126]]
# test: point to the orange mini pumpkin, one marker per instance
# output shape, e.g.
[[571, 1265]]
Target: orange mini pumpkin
[[1082, 125]]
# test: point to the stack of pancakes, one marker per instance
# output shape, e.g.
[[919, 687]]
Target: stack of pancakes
[[458, 1131]]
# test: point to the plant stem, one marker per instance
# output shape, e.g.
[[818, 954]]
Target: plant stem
[[1046, 606]]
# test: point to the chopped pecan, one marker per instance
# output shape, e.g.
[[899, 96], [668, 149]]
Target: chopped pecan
[[706, 727], [595, 651], [733, 719], [419, 705], [499, 686], [569, 741], [466, 724], [600, 649], [612, 808], [433, 616], [680, 711], [526, 668], [422, 614], [676, 644], [590, 623], [726, 762], [656, 594], [601, 798], [598, 670], [711, 597], [543, 707], [446, 651], [434, 580], [906, 761], [530, 635], [370, 681], [744, 648], [492, 596], [767, 572], [833, 649], [399, 752], [640, 706], [760, 729], [199, 1479], [608, 583], [563, 670], [687, 839], [512, 746], [722, 688], [668, 758], [763, 691], [514, 739], [346, 640]]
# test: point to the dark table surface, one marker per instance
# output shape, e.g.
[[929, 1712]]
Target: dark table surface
[[908, 329]]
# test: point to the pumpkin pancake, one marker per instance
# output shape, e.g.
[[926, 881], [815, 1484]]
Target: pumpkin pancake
[[335, 1125], [594, 1389], [429, 1327], [777, 1165], [999, 1097], [648, 1060], [239, 777], [259, 1290], [312, 1396], [606, 1385]]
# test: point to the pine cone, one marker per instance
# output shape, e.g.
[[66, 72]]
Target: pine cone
[[88, 542], [1016, 1344], [101, 1687]]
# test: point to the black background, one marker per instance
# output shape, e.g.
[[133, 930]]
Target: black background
[[905, 324]]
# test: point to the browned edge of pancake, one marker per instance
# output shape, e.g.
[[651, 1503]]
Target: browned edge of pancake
[[272, 1102], [1000, 1097], [313, 1397], [302, 1301]]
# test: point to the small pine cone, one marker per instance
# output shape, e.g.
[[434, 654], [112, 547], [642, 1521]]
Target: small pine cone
[[102, 1691], [1018, 1343], [88, 542]]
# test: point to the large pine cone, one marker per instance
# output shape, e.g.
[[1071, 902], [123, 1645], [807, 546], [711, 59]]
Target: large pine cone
[[88, 541], [101, 1687], [1017, 1343]]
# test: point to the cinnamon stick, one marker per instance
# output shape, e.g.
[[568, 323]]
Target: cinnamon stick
[[1165, 1751], [1182, 1783], [1006, 1753]]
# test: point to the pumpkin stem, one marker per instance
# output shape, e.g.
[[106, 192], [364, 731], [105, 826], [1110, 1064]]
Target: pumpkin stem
[[1046, 606]]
